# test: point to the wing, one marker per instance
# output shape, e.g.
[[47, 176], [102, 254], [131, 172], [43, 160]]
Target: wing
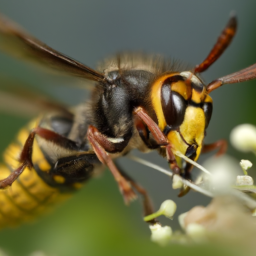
[[17, 99], [18, 43]]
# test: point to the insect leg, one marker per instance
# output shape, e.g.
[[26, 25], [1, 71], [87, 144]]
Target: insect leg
[[159, 137], [147, 204], [152, 126], [26, 154], [100, 145], [220, 144], [144, 133], [24, 159], [75, 168]]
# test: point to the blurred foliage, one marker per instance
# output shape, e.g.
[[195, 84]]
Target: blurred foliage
[[95, 222]]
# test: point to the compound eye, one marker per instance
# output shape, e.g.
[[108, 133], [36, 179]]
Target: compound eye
[[173, 105], [207, 108]]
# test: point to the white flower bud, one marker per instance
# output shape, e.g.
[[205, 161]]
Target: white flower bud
[[160, 235], [176, 182], [244, 180], [224, 171], [243, 137], [181, 220], [196, 231], [245, 164], [168, 208]]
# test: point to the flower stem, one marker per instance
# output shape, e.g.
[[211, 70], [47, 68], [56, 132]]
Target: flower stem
[[153, 216]]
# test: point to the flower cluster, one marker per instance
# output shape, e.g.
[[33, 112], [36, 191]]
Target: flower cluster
[[229, 215]]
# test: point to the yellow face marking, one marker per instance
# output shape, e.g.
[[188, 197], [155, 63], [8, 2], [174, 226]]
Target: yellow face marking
[[156, 99], [191, 132], [198, 152], [208, 98], [193, 126], [182, 88], [178, 144], [196, 96]]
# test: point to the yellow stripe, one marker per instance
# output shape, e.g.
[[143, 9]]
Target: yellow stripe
[[182, 88], [208, 98], [196, 96], [39, 159], [11, 155], [29, 195], [156, 99], [22, 136]]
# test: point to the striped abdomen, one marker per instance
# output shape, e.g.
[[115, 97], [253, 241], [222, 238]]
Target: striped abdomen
[[29, 195]]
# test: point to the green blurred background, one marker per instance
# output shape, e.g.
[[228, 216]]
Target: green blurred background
[[96, 221]]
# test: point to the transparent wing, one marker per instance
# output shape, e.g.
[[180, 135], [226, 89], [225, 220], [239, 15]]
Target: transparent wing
[[15, 41], [17, 99]]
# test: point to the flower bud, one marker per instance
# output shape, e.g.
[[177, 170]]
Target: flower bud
[[181, 220], [196, 231], [244, 180], [176, 182], [168, 208], [160, 235], [243, 137], [245, 165]]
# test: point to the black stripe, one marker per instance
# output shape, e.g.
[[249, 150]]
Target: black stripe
[[48, 179], [194, 104], [167, 129], [197, 87]]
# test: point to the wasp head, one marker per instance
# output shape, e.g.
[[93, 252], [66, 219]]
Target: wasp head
[[183, 110]]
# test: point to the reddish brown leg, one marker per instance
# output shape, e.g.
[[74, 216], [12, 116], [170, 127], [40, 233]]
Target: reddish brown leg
[[99, 144], [26, 154], [144, 133], [147, 205], [152, 126], [159, 137], [24, 159], [220, 144]]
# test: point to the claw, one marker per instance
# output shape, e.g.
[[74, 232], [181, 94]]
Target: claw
[[128, 193], [7, 182]]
